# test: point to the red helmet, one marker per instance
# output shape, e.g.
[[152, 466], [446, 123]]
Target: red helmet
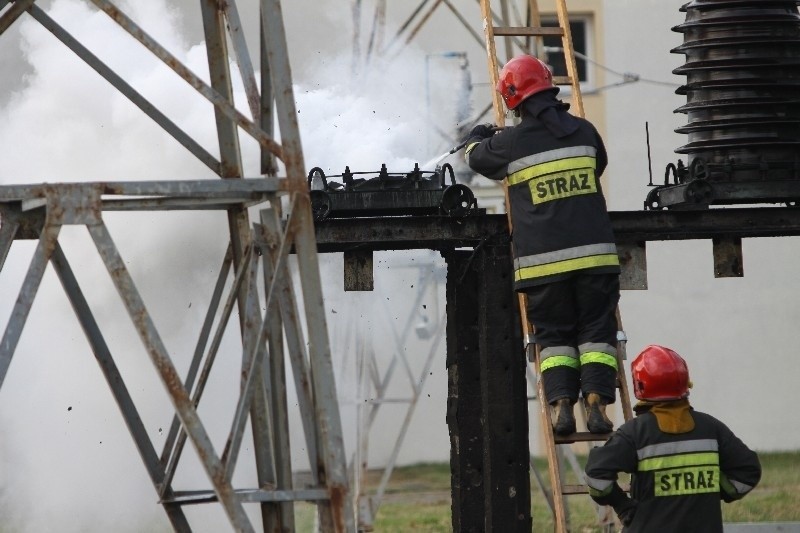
[[522, 77], [660, 374]]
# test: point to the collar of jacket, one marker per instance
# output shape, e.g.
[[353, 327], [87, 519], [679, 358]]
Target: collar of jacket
[[673, 417], [551, 111]]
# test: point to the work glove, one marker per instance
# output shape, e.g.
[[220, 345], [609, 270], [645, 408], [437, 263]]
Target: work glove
[[623, 505], [626, 510], [481, 132]]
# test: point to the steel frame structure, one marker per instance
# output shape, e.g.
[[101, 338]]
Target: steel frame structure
[[373, 387], [40, 211], [420, 15]]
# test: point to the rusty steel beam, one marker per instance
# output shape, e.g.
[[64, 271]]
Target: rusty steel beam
[[30, 285], [337, 513], [267, 238], [8, 18], [220, 75], [281, 516], [401, 233], [117, 385], [125, 89], [634, 226], [213, 350], [155, 347], [251, 371], [182, 189], [240, 51], [443, 233], [190, 77]]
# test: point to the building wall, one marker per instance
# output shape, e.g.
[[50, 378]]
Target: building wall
[[730, 330]]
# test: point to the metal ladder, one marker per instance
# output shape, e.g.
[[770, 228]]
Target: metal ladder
[[533, 45]]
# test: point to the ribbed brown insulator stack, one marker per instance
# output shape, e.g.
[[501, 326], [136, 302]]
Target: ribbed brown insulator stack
[[742, 89]]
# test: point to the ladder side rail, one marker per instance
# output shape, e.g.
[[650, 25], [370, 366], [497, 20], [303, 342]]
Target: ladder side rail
[[624, 391], [569, 57], [559, 512], [491, 53], [535, 19], [504, 15], [556, 486]]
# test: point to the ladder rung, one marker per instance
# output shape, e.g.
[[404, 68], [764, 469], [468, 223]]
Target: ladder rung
[[527, 31], [568, 490], [574, 489], [581, 436], [189, 497], [562, 80]]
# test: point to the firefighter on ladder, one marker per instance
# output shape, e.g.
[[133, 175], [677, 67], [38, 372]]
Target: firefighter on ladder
[[683, 461], [565, 256]]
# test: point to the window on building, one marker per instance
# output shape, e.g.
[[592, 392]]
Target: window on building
[[579, 27]]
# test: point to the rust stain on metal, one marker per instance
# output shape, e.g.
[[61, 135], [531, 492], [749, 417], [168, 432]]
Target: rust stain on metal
[[338, 501], [112, 188]]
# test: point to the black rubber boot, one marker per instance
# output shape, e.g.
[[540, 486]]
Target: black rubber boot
[[563, 417], [596, 419]]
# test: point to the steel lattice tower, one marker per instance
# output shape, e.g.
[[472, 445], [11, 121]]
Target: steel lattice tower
[[255, 272]]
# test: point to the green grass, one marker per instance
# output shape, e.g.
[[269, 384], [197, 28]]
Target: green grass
[[418, 499], [777, 496]]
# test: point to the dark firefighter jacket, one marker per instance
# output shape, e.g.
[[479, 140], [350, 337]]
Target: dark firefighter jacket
[[558, 213], [680, 476]]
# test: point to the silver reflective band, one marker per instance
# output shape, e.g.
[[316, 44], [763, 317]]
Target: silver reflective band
[[555, 351], [551, 155], [597, 347], [565, 254], [740, 487], [599, 484], [673, 448]]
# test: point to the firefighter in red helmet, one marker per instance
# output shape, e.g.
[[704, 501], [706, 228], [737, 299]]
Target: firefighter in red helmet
[[565, 256], [522, 77], [682, 461]]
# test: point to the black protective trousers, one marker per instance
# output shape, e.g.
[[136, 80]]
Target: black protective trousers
[[573, 312]]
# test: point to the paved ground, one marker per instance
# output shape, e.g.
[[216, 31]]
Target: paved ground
[[772, 527]]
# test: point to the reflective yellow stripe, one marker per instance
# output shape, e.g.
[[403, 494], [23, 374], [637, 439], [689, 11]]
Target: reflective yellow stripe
[[563, 254], [559, 360], [600, 493], [469, 149], [569, 265], [689, 480], [566, 185], [570, 164], [599, 357], [678, 461], [599, 487]]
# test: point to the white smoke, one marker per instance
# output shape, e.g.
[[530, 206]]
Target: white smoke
[[63, 442]]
